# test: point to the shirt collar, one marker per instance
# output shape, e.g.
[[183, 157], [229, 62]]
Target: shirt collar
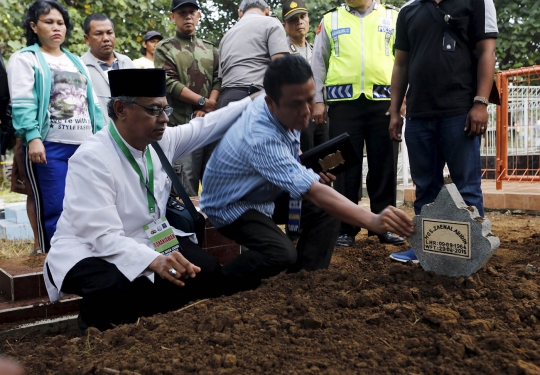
[[137, 154], [250, 14], [106, 67]]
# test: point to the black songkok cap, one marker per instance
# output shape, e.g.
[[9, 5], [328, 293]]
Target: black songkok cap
[[137, 82]]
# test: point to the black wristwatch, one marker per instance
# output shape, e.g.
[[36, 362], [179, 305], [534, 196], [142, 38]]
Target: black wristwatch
[[202, 101]]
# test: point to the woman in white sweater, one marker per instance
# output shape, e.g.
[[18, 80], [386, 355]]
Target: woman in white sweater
[[54, 108]]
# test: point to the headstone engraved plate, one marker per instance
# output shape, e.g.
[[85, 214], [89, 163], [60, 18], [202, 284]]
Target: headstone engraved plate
[[450, 237], [446, 237]]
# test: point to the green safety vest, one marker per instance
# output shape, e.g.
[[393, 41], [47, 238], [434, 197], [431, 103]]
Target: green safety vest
[[362, 54]]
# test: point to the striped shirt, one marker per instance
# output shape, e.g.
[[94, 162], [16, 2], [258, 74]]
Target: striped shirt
[[253, 163]]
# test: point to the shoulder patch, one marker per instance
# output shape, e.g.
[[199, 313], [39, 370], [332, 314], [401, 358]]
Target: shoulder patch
[[390, 6], [164, 40], [318, 29]]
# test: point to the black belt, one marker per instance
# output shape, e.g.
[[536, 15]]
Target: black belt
[[251, 89]]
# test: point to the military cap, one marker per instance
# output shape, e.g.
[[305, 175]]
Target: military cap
[[178, 3]]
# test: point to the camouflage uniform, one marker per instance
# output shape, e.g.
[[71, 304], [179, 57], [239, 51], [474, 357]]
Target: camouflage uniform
[[189, 62], [193, 63]]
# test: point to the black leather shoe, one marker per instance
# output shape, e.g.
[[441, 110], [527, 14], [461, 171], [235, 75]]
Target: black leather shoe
[[345, 240], [390, 238]]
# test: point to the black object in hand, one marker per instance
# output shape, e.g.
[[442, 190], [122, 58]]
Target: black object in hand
[[333, 156]]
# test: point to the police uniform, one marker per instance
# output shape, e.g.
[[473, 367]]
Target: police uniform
[[305, 51], [245, 51], [313, 135], [353, 60]]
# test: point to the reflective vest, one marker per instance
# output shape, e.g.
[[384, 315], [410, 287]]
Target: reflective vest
[[362, 55]]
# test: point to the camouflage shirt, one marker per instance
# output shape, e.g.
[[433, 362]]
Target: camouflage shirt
[[188, 62]]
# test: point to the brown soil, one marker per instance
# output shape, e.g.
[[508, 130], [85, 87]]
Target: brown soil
[[365, 315]]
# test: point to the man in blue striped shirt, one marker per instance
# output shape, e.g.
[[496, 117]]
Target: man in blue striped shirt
[[257, 161]]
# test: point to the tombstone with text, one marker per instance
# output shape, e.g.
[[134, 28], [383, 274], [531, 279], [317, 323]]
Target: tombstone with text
[[451, 238]]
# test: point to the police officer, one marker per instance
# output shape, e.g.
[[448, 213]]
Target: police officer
[[193, 86], [353, 57], [246, 50], [296, 25]]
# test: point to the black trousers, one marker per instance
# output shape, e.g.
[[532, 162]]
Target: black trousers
[[366, 122], [271, 251], [229, 95], [109, 298], [313, 136]]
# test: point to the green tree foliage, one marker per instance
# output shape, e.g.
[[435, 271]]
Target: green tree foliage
[[132, 19], [518, 44], [519, 37]]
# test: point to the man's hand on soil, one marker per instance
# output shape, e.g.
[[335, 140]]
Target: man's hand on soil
[[392, 219], [184, 269]]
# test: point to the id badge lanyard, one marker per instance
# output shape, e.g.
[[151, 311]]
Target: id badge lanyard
[[149, 184], [295, 212]]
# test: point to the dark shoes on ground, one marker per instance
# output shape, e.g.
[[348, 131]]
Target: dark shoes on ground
[[345, 240], [391, 239]]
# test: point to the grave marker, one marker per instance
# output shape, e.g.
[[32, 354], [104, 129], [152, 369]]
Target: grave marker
[[451, 238]]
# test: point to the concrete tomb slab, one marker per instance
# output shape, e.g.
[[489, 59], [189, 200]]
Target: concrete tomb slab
[[450, 237]]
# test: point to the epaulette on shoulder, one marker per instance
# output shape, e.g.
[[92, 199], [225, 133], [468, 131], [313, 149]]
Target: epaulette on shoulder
[[165, 40], [390, 6], [209, 42], [330, 11]]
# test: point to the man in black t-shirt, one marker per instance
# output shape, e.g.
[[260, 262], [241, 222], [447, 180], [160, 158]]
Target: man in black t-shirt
[[447, 91]]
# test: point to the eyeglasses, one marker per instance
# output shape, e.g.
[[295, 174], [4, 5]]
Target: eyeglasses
[[157, 111]]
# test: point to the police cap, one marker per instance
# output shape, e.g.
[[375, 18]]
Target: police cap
[[292, 7]]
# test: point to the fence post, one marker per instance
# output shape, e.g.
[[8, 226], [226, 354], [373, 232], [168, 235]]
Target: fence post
[[501, 157]]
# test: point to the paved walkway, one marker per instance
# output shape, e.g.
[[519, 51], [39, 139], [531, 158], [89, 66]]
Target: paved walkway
[[513, 196]]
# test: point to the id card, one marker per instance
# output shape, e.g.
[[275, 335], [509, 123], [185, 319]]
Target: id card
[[162, 236], [448, 44], [295, 210]]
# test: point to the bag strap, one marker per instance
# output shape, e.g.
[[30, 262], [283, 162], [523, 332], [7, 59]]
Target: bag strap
[[176, 182], [446, 27]]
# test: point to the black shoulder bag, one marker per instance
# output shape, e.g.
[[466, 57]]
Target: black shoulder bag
[[183, 216], [494, 96]]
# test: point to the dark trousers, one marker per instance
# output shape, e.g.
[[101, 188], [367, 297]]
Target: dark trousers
[[271, 251], [109, 298], [48, 182], [366, 122], [229, 95], [313, 136]]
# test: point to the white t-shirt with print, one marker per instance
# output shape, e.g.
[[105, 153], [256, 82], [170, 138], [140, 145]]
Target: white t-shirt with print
[[68, 106]]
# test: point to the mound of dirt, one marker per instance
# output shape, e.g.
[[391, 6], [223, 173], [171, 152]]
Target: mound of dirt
[[365, 315]]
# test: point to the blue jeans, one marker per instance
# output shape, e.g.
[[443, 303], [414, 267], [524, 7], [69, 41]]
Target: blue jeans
[[431, 143]]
